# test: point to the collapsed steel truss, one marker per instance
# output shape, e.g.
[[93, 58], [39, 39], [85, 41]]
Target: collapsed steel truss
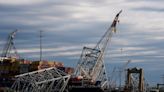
[[46, 80]]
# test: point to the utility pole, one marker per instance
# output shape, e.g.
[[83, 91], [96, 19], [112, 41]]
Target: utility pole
[[162, 77], [41, 45], [120, 73], [122, 70]]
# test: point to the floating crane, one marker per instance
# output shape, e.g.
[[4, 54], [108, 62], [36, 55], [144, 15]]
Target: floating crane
[[9, 46], [91, 63]]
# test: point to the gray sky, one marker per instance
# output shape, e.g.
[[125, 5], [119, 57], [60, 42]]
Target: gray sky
[[69, 25]]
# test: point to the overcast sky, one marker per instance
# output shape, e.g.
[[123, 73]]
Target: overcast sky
[[68, 25]]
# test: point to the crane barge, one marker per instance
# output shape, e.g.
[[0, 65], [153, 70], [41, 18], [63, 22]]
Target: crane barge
[[91, 68]]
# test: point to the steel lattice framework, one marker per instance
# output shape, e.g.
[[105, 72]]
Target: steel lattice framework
[[135, 80], [91, 63], [46, 80]]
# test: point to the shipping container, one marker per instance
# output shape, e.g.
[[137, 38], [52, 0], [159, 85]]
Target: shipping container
[[69, 70], [37, 65]]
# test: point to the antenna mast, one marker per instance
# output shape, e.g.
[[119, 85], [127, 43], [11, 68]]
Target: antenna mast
[[41, 44]]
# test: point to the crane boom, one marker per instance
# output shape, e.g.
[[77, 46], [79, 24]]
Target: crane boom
[[102, 44], [91, 63], [9, 45]]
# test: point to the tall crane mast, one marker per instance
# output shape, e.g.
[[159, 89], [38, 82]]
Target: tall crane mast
[[9, 45], [91, 63]]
